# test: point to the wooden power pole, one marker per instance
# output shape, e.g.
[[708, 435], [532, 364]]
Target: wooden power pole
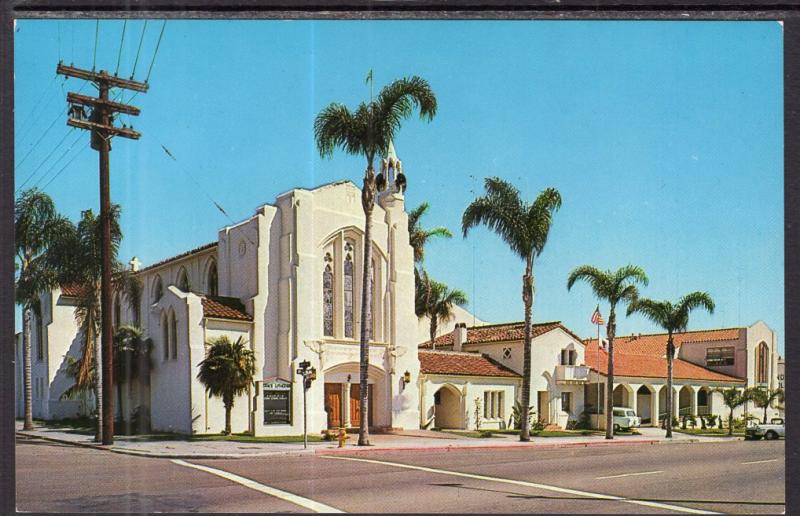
[[100, 123]]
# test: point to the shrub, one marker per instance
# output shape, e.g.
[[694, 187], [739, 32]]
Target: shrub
[[515, 415], [485, 433], [572, 424]]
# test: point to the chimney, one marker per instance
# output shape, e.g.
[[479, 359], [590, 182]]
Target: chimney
[[459, 336]]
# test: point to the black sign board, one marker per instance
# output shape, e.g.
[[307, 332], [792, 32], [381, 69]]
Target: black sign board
[[277, 402]]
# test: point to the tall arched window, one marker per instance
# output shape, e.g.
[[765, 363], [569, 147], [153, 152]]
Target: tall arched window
[[762, 363], [158, 289], [370, 318], [165, 335], [183, 280], [173, 333], [213, 281], [327, 296], [348, 290]]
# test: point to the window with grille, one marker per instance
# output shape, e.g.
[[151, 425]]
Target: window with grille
[[327, 296], [723, 356], [493, 404]]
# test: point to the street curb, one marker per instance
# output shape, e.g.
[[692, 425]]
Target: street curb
[[156, 455], [360, 450]]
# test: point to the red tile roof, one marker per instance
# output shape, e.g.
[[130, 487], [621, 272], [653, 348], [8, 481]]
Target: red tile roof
[[179, 256], [656, 344], [71, 290], [499, 333], [462, 364], [649, 366], [219, 307]]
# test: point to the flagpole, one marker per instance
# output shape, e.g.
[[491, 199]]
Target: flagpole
[[598, 373]]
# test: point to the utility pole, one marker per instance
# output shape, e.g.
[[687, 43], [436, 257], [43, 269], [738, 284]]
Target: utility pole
[[100, 123]]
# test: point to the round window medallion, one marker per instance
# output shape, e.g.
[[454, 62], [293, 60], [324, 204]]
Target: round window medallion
[[242, 247]]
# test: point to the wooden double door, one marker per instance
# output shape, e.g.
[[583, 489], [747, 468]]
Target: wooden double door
[[336, 404]]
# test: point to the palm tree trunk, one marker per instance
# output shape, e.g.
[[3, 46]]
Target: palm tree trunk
[[228, 418], [527, 300], [730, 422], [434, 324], [367, 203], [26, 364], [670, 353], [610, 332], [765, 413], [98, 392]]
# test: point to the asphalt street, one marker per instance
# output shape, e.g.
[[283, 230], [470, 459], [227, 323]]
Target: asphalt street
[[741, 477]]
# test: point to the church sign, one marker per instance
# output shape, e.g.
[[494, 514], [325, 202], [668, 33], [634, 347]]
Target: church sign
[[277, 402]]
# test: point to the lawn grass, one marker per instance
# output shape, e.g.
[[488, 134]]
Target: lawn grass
[[246, 438], [709, 432], [540, 433]]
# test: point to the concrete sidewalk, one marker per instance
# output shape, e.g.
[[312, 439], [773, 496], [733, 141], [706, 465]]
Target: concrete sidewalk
[[412, 440]]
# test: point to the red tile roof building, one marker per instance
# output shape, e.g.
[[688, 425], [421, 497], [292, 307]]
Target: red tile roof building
[[462, 364]]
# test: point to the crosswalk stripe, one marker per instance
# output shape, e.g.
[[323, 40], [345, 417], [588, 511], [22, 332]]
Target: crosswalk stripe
[[261, 488], [587, 494]]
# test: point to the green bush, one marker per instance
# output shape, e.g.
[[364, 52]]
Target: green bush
[[572, 424], [485, 433]]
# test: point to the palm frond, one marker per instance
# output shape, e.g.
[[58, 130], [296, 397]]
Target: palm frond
[[335, 127]]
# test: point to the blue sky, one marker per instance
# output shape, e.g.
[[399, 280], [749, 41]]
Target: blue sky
[[665, 140]]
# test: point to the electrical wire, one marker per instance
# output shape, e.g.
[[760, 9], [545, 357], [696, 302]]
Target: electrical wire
[[56, 162], [121, 41], [158, 44], [65, 166], [32, 174], [199, 187], [141, 40], [96, 37]]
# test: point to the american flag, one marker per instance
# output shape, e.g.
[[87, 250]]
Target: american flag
[[596, 317]]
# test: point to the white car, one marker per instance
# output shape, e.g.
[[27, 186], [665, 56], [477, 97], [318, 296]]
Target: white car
[[625, 419], [757, 430]]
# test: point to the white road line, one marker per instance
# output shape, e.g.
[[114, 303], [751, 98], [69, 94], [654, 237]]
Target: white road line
[[629, 475], [760, 461], [261, 488], [598, 496]]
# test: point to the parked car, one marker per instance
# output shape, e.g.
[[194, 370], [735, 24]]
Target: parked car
[[625, 419], [775, 429]]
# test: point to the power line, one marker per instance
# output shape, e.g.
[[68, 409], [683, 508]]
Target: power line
[[199, 187], [30, 176], [56, 162], [96, 37], [121, 41], [163, 26], [65, 166], [60, 114], [141, 40]]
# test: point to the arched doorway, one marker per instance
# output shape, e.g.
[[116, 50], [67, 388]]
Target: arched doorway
[[342, 393], [685, 401], [704, 407], [622, 396], [447, 408], [644, 402]]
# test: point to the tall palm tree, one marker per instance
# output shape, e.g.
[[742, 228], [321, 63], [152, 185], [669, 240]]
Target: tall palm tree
[[524, 226], [436, 301], [763, 398], [367, 132], [733, 398], [80, 265], [227, 371], [611, 286], [37, 228], [419, 236], [673, 318]]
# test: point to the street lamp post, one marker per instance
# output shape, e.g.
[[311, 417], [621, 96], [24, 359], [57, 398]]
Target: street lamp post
[[309, 374]]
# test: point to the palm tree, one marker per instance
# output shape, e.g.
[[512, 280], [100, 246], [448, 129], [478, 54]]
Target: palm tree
[[80, 265], [733, 398], [368, 131], [611, 286], [227, 372], [673, 319], [37, 228], [436, 301], [419, 236], [763, 398], [524, 227]]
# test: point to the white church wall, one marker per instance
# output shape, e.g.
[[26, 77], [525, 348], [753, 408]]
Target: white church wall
[[61, 338]]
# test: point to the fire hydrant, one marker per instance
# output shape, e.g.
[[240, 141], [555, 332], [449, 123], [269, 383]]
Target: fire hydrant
[[342, 436]]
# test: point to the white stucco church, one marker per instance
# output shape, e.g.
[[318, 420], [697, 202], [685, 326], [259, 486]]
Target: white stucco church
[[287, 281]]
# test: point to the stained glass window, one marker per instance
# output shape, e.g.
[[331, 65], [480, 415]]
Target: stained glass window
[[327, 296], [348, 290], [370, 323]]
